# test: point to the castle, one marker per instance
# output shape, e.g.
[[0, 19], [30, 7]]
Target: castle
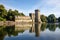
[[32, 18]]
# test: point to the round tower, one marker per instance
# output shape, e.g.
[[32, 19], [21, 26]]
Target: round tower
[[37, 16]]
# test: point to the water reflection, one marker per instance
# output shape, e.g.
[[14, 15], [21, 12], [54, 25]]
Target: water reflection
[[43, 26], [8, 30], [34, 28], [37, 29], [51, 27], [2, 33]]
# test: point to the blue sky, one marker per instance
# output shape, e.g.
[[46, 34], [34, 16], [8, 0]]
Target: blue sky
[[46, 7]]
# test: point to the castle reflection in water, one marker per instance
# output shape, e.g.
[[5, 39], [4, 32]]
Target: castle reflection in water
[[36, 28], [31, 27]]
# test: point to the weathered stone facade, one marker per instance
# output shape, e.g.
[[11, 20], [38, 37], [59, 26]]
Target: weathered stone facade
[[22, 19], [32, 15], [37, 16], [32, 18]]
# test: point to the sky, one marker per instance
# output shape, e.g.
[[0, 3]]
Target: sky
[[46, 7]]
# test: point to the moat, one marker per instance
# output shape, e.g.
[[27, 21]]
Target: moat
[[44, 31]]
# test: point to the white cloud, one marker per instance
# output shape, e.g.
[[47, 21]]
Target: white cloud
[[56, 8], [51, 3], [48, 7]]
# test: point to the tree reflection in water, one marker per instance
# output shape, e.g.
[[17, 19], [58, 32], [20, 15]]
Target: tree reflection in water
[[41, 27], [2, 33], [8, 30], [37, 28], [51, 27]]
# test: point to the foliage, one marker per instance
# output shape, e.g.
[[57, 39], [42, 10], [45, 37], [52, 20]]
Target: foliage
[[8, 15], [3, 11], [51, 18], [43, 18], [59, 19], [2, 19]]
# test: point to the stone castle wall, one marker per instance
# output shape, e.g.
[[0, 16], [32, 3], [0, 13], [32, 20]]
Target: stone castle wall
[[29, 19], [22, 19]]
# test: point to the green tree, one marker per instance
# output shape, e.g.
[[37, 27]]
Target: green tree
[[51, 18], [8, 15], [59, 19], [43, 18], [3, 11], [11, 15], [2, 19], [22, 14], [16, 12]]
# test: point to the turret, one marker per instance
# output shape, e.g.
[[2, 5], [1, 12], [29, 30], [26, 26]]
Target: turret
[[37, 16]]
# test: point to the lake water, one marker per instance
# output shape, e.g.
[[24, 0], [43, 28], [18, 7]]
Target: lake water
[[43, 31]]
